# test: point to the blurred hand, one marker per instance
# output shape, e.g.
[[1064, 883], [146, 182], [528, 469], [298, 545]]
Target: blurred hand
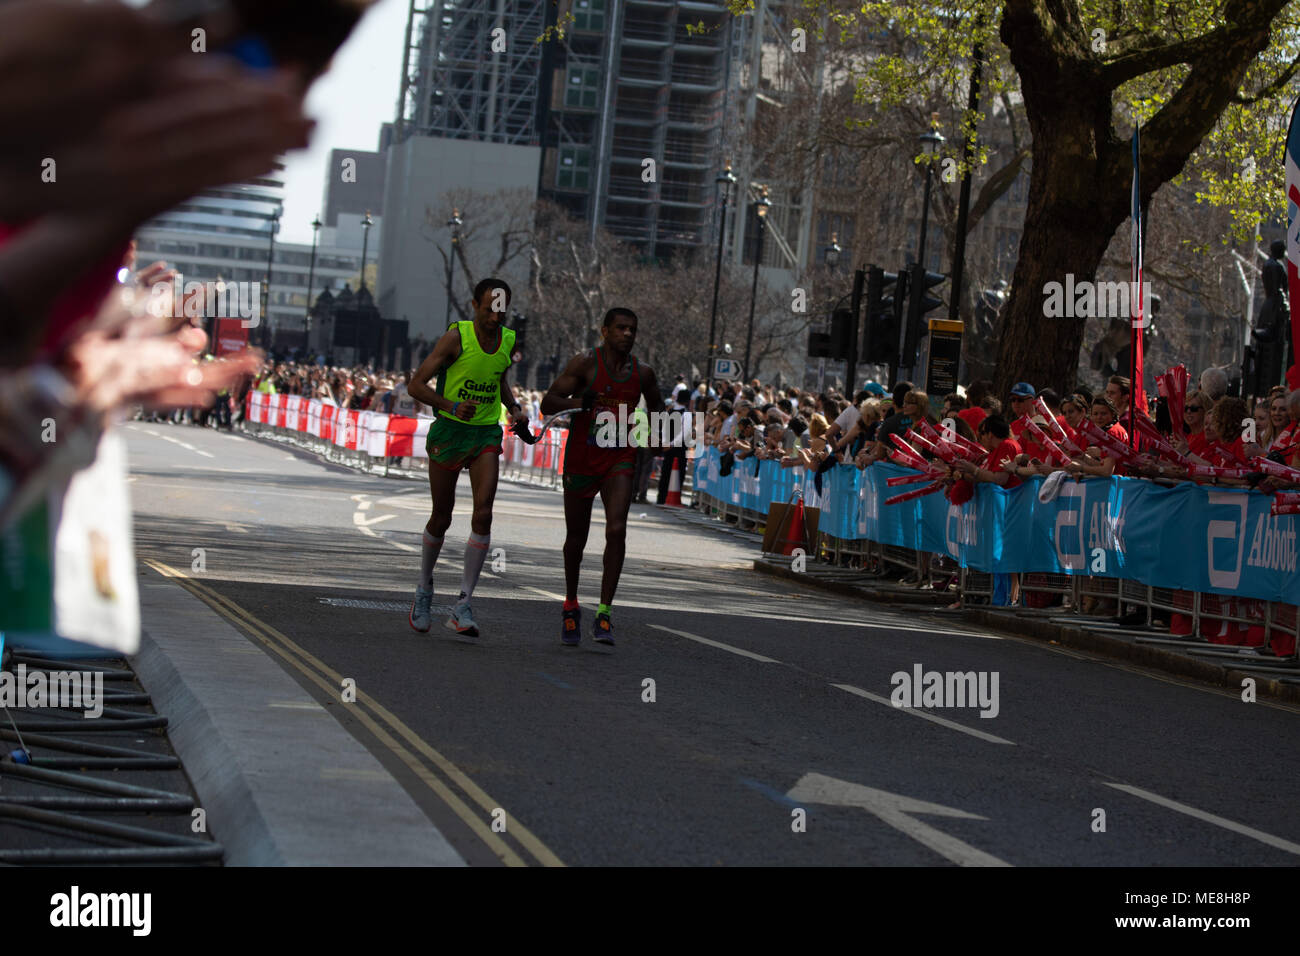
[[213, 123], [120, 361], [159, 372]]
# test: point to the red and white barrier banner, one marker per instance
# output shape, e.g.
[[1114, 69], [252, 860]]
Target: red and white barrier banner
[[406, 437], [381, 435]]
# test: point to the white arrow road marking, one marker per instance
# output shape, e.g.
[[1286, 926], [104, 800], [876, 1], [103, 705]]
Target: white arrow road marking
[[1227, 824], [718, 644], [896, 810], [360, 520], [918, 712]]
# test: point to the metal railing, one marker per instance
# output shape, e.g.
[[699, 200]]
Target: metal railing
[[1210, 624]]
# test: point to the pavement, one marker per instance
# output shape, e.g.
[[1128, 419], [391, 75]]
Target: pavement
[[741, 720], [271, 766]]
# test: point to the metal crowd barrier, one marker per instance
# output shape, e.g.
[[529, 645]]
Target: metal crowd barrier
[[1161, 615], [538, 464]]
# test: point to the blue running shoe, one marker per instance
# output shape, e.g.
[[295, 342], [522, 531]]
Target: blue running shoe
[[571, 627]]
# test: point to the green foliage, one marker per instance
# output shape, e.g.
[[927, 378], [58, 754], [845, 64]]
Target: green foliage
[[917, 51], [557, 31]]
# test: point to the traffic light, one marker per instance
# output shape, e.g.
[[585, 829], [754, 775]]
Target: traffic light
[[919, 302], [819, 345], [885, 293], [841, 332]]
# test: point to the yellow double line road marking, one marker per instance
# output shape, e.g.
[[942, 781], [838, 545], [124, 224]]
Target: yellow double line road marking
[[410, 753]]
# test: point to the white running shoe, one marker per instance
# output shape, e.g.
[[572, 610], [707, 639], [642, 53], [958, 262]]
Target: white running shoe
[[422, 610], [462, 619]]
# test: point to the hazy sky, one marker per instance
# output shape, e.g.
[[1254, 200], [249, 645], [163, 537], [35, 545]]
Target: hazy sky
[[349, 104]]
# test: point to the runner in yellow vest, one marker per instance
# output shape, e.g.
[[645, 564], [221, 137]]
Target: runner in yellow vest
[[470, 360]]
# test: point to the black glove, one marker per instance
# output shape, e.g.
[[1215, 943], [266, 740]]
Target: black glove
[[588, 399], [524, 433]]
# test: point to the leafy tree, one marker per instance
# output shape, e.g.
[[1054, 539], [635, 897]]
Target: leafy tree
[[1208, 80]]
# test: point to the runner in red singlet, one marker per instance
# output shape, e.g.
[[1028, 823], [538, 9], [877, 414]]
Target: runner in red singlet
[[598, 459]]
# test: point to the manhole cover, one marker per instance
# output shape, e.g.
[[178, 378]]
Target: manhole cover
[[368, 605]]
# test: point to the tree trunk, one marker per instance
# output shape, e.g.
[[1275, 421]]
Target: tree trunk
[[1066, 231]]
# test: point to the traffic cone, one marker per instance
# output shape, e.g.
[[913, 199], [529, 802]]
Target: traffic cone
[[794, 534], [674, 498]]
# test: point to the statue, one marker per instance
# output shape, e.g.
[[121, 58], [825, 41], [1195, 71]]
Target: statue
[[1272, 326]]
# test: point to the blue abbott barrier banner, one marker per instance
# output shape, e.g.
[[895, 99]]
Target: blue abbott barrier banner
[[1190, 537]]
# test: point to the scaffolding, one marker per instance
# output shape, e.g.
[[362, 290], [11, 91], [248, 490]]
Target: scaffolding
[[470, 70]]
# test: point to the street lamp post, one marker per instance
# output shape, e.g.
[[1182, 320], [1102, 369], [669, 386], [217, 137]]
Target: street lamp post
[[832, 260], [726, 180], [311, 282], [356, 324], [454, 224], [366, 223], [833, 251], [761, 208], [933, 142], [266, 286]]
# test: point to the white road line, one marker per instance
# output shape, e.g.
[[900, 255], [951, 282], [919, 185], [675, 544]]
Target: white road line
[[718, 644], [784, 618], [546, 594], [193, 486], [185, 445], [1227, 824], [915, 712]]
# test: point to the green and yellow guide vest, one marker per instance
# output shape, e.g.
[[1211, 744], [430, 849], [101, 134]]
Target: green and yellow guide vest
[[476, 375]]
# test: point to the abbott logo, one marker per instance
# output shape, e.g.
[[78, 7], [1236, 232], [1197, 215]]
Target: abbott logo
[[1219, 529], [1069, 518], [967, 529]]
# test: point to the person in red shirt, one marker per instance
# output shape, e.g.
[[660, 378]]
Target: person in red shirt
[[1227, 445], [1073, 411], [1022, 403], [975, 411], [973, 416], [1103, 416], [1194, 411], [994, 434], [1281, 410]]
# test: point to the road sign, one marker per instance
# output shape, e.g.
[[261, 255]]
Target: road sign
[[726, 368], [945, 356]]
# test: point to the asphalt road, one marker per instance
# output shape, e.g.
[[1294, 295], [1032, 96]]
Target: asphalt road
[[770, 738]]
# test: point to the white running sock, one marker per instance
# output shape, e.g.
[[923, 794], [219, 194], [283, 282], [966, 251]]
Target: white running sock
[[476, 549], [428, 558]]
